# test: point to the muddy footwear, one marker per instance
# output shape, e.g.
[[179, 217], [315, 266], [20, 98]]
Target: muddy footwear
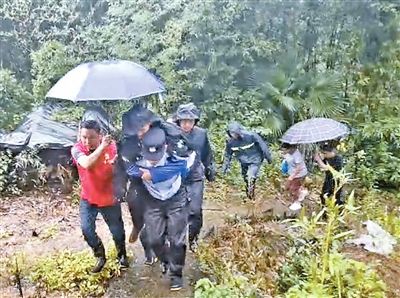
[[193, 245], [296, 206], [123, 261], [176, 283], [251, 189], [122, 257], [150, 260], [164, 268], [133, 237], [100, 254]]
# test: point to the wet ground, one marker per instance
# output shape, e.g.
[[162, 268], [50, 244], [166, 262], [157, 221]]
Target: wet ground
[[43, 223]]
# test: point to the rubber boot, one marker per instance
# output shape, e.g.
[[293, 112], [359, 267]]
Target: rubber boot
[[246, 185], [252, 189], [100, 254], [122, 257], [134, 235]]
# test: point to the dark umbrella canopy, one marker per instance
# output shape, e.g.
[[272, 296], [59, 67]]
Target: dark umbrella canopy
[[315, 130], [107, 80]]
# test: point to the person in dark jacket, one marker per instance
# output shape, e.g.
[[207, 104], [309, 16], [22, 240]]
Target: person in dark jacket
[[328, 156], [166, 205], [135, 123], [187, 117], [250, 149]]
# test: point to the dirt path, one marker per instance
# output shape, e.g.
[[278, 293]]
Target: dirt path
[[45, 223]]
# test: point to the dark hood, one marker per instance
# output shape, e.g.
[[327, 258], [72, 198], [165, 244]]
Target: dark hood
[[235, 127], [134, 119]]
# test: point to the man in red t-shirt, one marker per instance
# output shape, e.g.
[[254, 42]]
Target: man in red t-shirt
[[94, 156]]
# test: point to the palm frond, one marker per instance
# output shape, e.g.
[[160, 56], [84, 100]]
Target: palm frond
[[287, 102]]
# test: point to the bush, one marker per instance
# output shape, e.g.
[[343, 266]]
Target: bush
[[375, 154], [318, 269], [49, 64], [70, 272], [15, 100], [233, 287], [21, 172]]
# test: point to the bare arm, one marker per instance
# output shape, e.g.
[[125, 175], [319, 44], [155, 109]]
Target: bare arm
[[320, 162]]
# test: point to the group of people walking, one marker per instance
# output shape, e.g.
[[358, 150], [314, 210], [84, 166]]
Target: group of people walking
[[159, 168]]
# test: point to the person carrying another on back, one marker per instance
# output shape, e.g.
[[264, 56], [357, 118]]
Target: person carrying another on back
[[187, 117], [94, 156], [328, 156], [297, 172], [135, 124], [250, 149], [165, 203]]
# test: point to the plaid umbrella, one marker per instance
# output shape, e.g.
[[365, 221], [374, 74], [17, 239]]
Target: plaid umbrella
[[315, 130]]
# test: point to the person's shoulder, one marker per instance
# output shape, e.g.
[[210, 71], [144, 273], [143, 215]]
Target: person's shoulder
[[77, 151], [77, 147], [338, 158], [200, 129], [112, 148], [297, 155]]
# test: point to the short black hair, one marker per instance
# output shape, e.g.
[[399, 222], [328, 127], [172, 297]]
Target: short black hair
[[288, 146], [91, 124], [327, 148]]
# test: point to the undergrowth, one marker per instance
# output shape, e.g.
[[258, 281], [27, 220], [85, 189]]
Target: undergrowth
[[305, 261], [65, 271]]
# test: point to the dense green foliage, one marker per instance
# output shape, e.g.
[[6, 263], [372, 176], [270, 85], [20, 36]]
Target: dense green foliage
[[265, 63]]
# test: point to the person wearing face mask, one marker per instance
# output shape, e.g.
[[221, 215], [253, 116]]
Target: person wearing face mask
[[94, 156], [187, 118]]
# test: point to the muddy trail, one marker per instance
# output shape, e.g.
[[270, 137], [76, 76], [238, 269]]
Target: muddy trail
[[44, 223], [39, 224]]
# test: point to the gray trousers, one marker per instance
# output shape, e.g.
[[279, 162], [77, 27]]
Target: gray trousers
[[169, 219], [195, 195], [250, 171]]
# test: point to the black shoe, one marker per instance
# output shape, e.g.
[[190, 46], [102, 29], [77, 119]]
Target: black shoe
[[151, 261], [176, 283], [164, 268], [100, 254], [193, 245], [123, 261], [101, 261]]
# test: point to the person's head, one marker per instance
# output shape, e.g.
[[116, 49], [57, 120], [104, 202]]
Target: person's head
[[187, 116], [234, 135], [90, 134], [327, 150], [143, 130], [154, 145], [187, 124], [137, 121], [288, 148], [234, 130]]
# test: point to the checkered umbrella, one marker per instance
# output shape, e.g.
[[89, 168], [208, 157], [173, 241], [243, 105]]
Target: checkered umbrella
[[315, 130]]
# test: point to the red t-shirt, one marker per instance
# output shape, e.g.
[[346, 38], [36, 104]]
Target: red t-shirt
[[96, 182]]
